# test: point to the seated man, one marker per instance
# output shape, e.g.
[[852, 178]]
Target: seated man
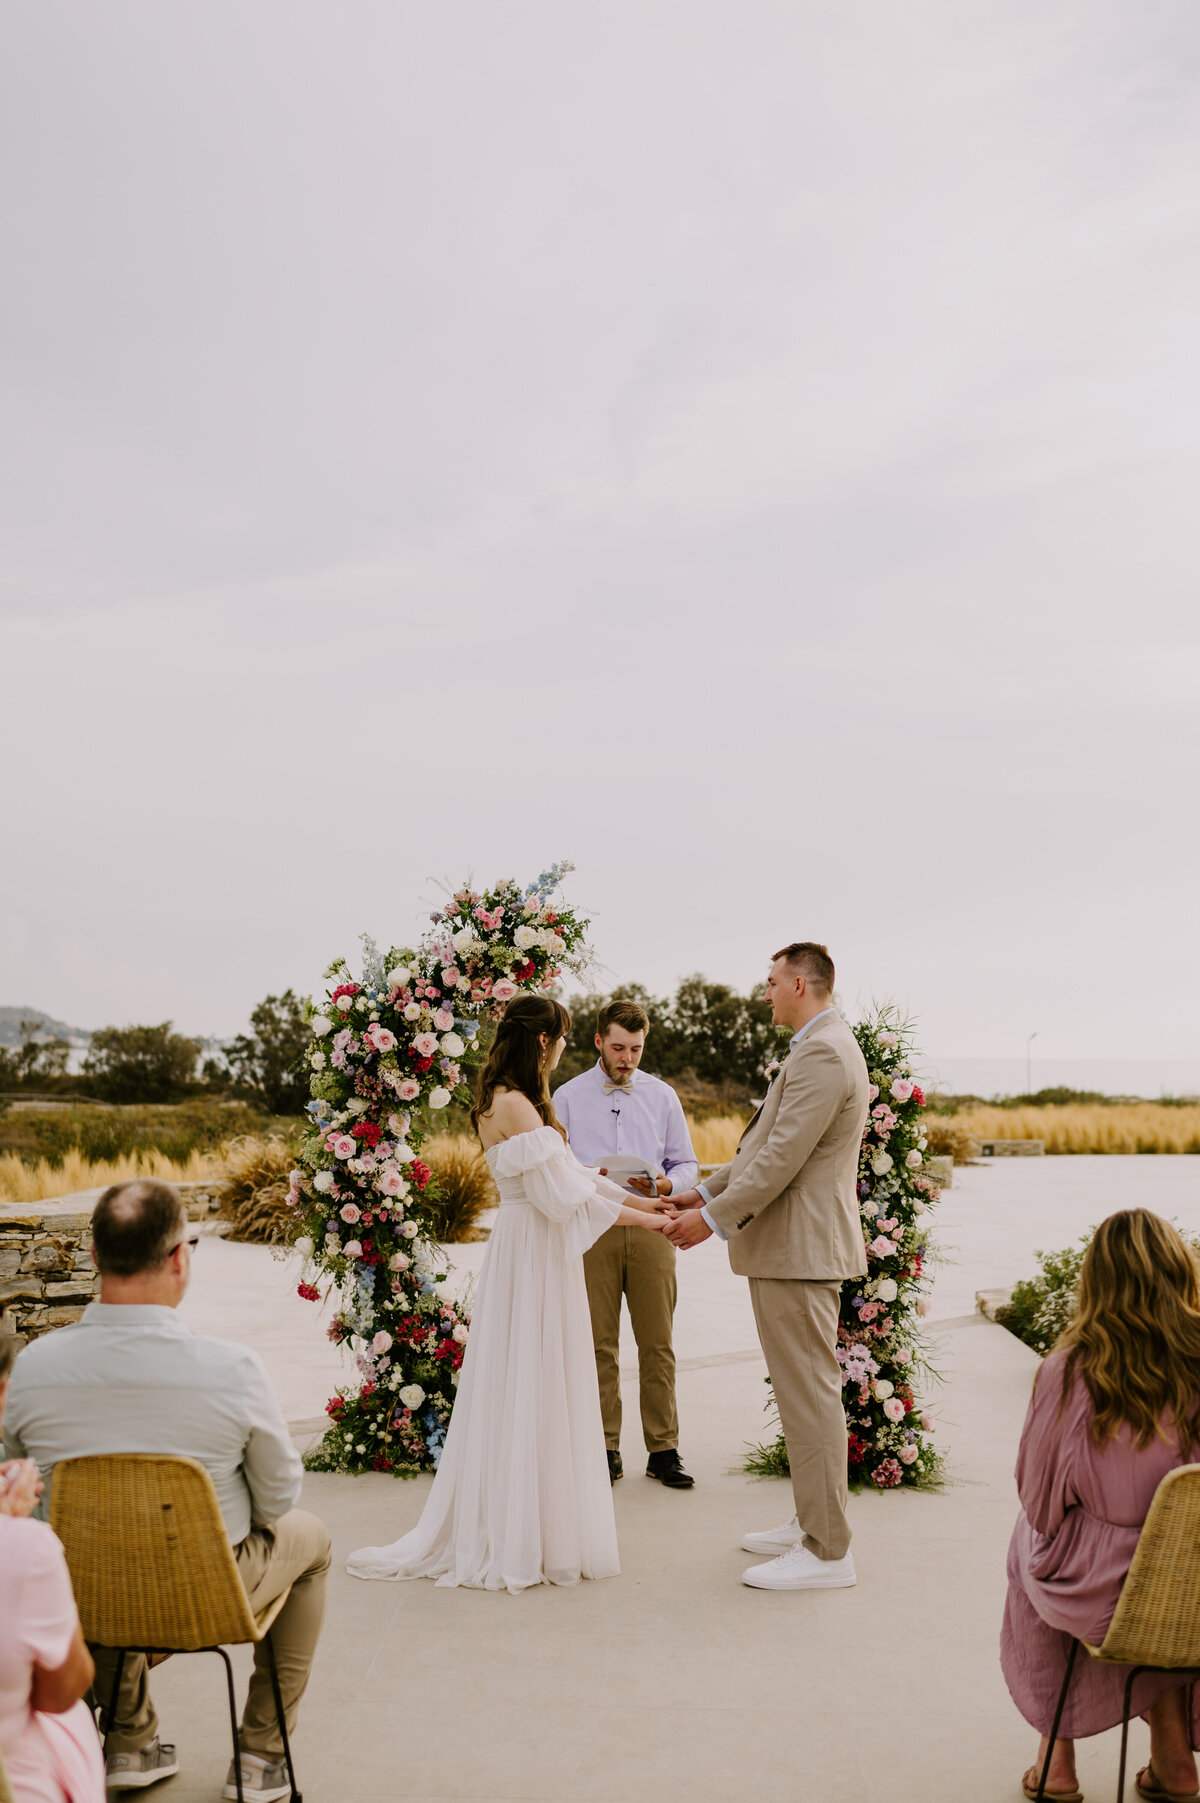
[[130, 1377]]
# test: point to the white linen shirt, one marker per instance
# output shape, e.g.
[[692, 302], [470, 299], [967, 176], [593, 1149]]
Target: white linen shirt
[[134, 1378], [647, 1121]]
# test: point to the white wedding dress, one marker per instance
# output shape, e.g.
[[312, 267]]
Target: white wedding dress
[[522, 1494]]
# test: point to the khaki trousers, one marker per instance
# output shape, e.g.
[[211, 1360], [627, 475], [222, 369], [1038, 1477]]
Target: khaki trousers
[[639, 1265], [294, 1550], [797, 1326]]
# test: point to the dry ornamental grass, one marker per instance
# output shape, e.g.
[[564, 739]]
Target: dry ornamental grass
[[1111, 1127], [714, 1141], [255, 1189], [42, 1181]]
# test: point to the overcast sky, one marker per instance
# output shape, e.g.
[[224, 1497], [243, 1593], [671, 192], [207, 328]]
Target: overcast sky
[[749, 449]]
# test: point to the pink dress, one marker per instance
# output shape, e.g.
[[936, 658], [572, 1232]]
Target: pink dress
[[1082, 1509], [49, 1758]]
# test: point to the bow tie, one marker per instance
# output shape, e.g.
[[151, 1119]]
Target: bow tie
[[626, 1086]]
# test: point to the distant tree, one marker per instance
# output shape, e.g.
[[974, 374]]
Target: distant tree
[[708, 1040], [265, 1063], [141, 1064], [36, 1060]]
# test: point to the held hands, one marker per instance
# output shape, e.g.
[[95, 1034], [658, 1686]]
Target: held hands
[[685, 1226]]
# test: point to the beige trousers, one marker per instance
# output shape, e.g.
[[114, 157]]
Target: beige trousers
[[639, 1265], [294, 1550], [797, 1327]]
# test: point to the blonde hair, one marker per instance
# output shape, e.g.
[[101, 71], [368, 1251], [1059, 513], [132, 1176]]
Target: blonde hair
[[1135, 1336]]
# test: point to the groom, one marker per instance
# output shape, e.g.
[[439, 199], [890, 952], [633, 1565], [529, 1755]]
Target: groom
[[788, 1206]]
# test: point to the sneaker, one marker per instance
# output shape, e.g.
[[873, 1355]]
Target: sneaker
[[133, 1771], [798, 1569], [774, 1540], [261, 1783]]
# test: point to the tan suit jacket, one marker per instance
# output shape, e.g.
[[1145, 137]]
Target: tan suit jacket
[[789, 1201]]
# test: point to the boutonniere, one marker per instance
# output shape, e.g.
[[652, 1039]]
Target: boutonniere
[[773, 1069]]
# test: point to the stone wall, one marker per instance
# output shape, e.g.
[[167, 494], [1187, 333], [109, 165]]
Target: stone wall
[[46, 1273]]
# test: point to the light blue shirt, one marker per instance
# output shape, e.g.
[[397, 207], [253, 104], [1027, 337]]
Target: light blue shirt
[[647, 1121], [131, 1377], [793, 1042]]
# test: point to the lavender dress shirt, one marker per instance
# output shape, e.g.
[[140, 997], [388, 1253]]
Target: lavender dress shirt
[[648, 1123]]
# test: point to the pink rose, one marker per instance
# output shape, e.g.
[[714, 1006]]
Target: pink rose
[[443, 1020], [344, 1146], [425, 1045], [392, 1183], [881, 1247], [901, 1089], [381, 1342], [907, 1455], [449, 975], [350, 1213], [893, 1408], [503, 991], [352, 1249], [409, 1090], [381, 1038]]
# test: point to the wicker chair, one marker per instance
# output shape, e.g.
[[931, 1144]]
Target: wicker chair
[[1156, 1623], [153, 1570]]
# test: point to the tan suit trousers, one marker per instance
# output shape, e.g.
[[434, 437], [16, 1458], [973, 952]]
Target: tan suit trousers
[[639, 1265], [797, 1325], [294, 1550]]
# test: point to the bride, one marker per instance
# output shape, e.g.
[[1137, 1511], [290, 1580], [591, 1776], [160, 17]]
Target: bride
[[522, 1494]]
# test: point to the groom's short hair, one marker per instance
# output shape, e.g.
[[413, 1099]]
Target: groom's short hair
[[622, 1013], [810, 961]]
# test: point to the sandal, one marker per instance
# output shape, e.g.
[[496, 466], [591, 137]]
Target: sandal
[[1029, 1784], [1147, 1785]]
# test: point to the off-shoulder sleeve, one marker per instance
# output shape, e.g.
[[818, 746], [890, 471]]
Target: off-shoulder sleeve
[[559, 1187], [1049, 1442]]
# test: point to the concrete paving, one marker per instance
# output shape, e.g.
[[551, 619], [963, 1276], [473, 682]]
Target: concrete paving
[[674, 1681]]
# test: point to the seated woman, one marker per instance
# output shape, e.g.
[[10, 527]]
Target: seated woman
[[47, 1736], [1115, 1406]]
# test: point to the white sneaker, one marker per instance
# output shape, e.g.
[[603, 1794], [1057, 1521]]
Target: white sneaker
[[133, 1771], [774, 1540], [798, 1569], [261, 1782]]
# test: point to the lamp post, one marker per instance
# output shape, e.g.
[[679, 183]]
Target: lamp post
[[1029, 1064]]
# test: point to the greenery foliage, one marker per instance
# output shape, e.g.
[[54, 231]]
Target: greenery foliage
[[141, 1064], [265, 1064], [110, 1133], [1041, 1307]]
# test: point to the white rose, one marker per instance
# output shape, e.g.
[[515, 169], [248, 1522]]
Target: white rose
[[323, 1181], [403, 1154], [412, 1396], [398, 976], [887, 1289], [344, 1003], [361, 1003], [398, 1261], [304, 1246], [882, 1388], [356, 1105], [913, 1160], [460, 1334], [439, 1098], [295, 1178], [410, 1230], [923, 1145], [321, 1023], [399, 1124], [317, 1060], [881, 1164], [452, 1045], [463, 938], [524, 937]]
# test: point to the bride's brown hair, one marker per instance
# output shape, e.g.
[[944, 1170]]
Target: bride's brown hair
[[517, 1059], [1135, 1338]]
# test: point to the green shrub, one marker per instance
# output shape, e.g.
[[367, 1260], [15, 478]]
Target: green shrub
[[110, 1133], [1041, 1307]]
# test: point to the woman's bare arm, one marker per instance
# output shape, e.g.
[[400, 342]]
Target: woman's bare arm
[[56, 1691]]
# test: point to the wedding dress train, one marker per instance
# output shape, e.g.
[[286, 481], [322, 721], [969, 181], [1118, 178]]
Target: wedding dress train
[[522, 1493]]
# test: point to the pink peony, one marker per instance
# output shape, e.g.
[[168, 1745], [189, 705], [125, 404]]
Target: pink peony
[[409, 1090], [352, 1249], [503, 991], [350, 1213], [425, 1045]]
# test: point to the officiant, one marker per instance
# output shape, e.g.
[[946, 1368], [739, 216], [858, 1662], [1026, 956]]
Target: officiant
[[617, 1108]]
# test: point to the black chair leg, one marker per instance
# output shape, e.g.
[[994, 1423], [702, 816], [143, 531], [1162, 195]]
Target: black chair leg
[[109, 1716], [287, 1748], [1058, 1715], [233, 1722], [1135, 1672]]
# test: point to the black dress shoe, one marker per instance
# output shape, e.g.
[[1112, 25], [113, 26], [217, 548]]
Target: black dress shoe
[[666, 1467], [615, 1468]]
